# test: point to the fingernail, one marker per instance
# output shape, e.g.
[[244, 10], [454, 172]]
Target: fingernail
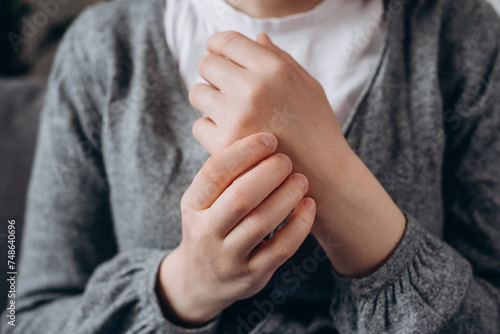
[[269, 140], [300, 180], [310, 204]]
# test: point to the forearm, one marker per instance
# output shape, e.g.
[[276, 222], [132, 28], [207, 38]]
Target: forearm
[[357, 223]]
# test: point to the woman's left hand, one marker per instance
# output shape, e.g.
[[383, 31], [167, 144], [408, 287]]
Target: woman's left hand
[[254, 86]]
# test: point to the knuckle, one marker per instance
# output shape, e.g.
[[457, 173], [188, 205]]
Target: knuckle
[[189, 222], [214, 171], [281, 250], [303, 225], [239, 202], [204, 62], [196, 128], [220, 269], [227, 270], [194, 93], [293, 195], [281, 164], [257, 225], [227, 38], [253, 270], [279, 68], [251, 284], [254, 92], [251, 142], [251, 145], [296, 192]]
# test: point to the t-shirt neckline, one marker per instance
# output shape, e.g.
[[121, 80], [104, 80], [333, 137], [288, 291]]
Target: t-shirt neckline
[[224, 14]]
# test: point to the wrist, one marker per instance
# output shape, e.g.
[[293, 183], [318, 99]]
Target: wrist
[[357, 215], [182, 301]]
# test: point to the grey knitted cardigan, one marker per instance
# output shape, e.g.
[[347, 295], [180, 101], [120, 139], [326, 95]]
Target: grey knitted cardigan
[[115, 154]]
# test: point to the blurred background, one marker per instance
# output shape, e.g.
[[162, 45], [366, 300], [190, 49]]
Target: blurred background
[[30, 31]]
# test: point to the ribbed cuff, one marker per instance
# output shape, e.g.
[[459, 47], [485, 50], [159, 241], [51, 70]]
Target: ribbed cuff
[[390, 271]]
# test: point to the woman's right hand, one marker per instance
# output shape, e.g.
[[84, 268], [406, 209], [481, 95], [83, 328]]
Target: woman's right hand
[[239, 196]]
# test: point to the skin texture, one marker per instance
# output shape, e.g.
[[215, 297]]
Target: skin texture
[[240, 195]]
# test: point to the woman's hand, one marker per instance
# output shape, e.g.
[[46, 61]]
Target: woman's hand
[[254, 87], [227, 211]]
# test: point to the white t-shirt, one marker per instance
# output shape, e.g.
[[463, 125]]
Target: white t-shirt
[[338, 42]]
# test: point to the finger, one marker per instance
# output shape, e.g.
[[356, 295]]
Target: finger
[[248, 191], [205, 132], [264, 40], [265, 218], [221, 169], [220, 72], [239, 49], [206, 99], [271, 254]]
